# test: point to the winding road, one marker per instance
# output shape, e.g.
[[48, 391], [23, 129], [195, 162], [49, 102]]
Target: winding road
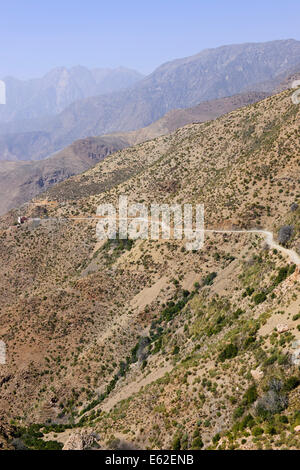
[[269, 237]]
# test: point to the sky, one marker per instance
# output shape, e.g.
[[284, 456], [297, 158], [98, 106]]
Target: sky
[[38, 35]]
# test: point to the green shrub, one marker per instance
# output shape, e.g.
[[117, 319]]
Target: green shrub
[[247, 422], [271, 430], [283, 419], [38, 444], [228, 352], [208, 280], [259, 298], [291, 383], [257, 431], [239, 412], [250, 395], [197, 443], [216, 438], [249, 291], [176, 443]]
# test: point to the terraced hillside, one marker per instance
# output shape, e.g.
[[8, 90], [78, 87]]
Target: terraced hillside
[[144, 344]]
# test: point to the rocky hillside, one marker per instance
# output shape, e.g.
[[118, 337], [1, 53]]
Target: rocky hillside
[[21, 181], [141, 343], [211, 74]]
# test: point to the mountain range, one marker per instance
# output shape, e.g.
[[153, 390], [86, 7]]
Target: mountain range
[[51, 94], [211, 74]]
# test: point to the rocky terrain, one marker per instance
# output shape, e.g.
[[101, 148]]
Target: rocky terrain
[[142, 343]]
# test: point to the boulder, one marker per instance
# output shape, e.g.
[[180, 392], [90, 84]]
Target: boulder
[[294, 207], [295, 358], [257, 374], [281, 328], [285, 234]]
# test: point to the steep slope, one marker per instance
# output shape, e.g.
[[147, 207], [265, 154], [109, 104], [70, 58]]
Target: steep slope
[[280, 82], [188, 340], [21, 181], [211, 74]]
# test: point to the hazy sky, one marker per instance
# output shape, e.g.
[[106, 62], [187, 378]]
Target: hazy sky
[[37, 35]]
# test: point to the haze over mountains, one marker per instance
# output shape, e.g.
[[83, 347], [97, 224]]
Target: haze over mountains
[[211, 74], [196, 77], [51, 94]]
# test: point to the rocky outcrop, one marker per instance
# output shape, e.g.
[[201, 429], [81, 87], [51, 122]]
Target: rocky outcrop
[[282, 328], [285, 234], [81, 440], [296, 357]]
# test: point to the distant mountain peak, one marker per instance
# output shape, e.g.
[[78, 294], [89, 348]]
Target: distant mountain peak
[[60, 87], [214, 73]]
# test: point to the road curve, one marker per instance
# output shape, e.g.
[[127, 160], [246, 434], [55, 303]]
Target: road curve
[[269, 237]]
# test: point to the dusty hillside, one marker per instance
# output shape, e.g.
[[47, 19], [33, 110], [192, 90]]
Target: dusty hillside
[[203, 112], [188, 341], [21, 181]]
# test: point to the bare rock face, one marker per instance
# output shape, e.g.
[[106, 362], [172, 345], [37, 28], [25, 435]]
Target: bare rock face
[[296, 357], [285, 234], [257, 374], [80, 440], [294, 207], [281, 328]]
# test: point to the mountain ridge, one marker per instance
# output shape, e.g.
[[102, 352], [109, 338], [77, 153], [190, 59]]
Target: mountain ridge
[[51, 94], [217, 73]]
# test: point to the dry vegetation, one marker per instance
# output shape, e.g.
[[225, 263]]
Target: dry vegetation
[[143, 342]]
